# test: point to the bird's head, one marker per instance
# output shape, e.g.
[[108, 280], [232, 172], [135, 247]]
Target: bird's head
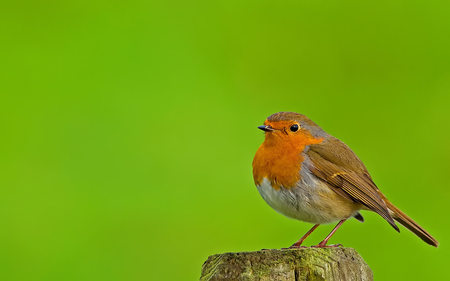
[[290, 128]]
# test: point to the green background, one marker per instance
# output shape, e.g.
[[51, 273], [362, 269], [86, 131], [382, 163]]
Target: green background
[[128, 129]]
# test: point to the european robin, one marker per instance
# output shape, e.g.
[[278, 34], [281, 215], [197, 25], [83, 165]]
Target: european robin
[[306, 174]]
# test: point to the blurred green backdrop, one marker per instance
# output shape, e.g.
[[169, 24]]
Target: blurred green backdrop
[[128, 129]]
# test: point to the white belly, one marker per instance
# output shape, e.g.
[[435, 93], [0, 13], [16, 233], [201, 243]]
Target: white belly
[[309, 201]]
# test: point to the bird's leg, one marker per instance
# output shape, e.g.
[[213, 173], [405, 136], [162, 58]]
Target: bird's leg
[[324, 242], [299, 242]]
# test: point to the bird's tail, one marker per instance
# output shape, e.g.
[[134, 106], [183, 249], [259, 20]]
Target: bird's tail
[[407, 222]]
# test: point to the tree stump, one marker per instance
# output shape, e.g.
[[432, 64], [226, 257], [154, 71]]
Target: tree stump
[[334, 264]]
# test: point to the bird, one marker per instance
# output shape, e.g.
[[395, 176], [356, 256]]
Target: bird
[[305, 173]]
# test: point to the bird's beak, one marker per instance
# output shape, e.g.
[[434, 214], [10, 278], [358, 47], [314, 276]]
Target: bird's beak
[[266, 128]]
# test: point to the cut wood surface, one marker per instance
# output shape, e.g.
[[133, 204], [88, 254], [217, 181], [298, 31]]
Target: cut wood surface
[[288, 264]]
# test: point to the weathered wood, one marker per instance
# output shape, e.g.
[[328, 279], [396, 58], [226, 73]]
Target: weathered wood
[[290, 264]]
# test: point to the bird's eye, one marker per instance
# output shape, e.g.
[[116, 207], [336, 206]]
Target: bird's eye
[[294, 128]]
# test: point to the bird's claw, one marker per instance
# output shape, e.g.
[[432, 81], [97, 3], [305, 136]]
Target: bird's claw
[[327, 246]]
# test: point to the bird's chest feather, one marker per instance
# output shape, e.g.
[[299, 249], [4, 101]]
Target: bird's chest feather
[[280, 160], [278, 164]]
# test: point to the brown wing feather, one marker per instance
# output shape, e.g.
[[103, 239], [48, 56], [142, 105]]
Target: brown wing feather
[[335, 163]]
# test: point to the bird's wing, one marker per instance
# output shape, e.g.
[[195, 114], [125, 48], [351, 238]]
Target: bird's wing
[[336, 164]]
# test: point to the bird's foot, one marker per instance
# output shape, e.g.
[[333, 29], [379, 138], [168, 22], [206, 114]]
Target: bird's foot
[[294, 247], [320, 245]]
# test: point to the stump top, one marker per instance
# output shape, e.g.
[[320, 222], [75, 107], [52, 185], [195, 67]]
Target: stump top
[[288, 264]]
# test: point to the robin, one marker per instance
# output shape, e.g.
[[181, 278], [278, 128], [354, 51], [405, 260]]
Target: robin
[[304, 173]]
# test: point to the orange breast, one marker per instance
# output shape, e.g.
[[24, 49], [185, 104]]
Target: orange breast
[[279, 160]]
